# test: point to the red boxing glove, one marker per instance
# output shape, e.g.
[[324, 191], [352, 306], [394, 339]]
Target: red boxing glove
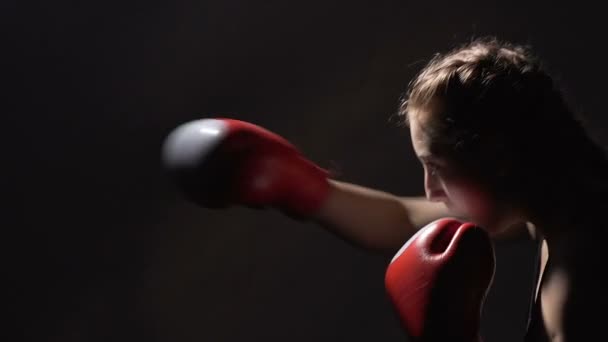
[[220, 162], [439, 279]]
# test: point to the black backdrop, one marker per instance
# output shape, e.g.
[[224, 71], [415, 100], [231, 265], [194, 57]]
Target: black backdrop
[[99, 247]]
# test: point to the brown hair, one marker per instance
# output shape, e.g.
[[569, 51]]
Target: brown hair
[[504, 118]]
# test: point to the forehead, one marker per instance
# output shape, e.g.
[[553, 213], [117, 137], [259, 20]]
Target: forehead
[[418, 124]]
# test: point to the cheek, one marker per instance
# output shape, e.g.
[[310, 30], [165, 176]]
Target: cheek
[[470, 200]]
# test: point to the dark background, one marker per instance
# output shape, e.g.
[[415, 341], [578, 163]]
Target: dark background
[[99, 246]]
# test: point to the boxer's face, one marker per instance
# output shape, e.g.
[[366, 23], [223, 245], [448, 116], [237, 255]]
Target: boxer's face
[[458, 190]]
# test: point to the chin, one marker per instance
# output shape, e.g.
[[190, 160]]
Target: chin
[[489, 218]]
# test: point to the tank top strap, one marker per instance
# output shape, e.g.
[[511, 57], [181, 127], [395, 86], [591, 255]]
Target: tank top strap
[[535, 280]]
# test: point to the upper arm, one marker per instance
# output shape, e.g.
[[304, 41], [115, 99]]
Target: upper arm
[[578, 298], [579, 315]]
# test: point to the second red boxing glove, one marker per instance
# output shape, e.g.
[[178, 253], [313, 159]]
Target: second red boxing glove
[[439, 279]]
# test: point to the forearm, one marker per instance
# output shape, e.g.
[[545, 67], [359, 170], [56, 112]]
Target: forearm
[[374, 219]]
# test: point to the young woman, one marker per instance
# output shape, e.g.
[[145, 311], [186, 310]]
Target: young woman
[[500, 147]]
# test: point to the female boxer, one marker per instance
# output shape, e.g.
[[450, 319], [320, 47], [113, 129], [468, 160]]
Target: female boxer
[[500, 147]]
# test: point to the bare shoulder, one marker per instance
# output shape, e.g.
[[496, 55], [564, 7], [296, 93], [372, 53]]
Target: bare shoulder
[[574, 296]]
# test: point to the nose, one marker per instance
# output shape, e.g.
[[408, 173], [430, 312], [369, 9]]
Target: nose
[[433, 188]]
